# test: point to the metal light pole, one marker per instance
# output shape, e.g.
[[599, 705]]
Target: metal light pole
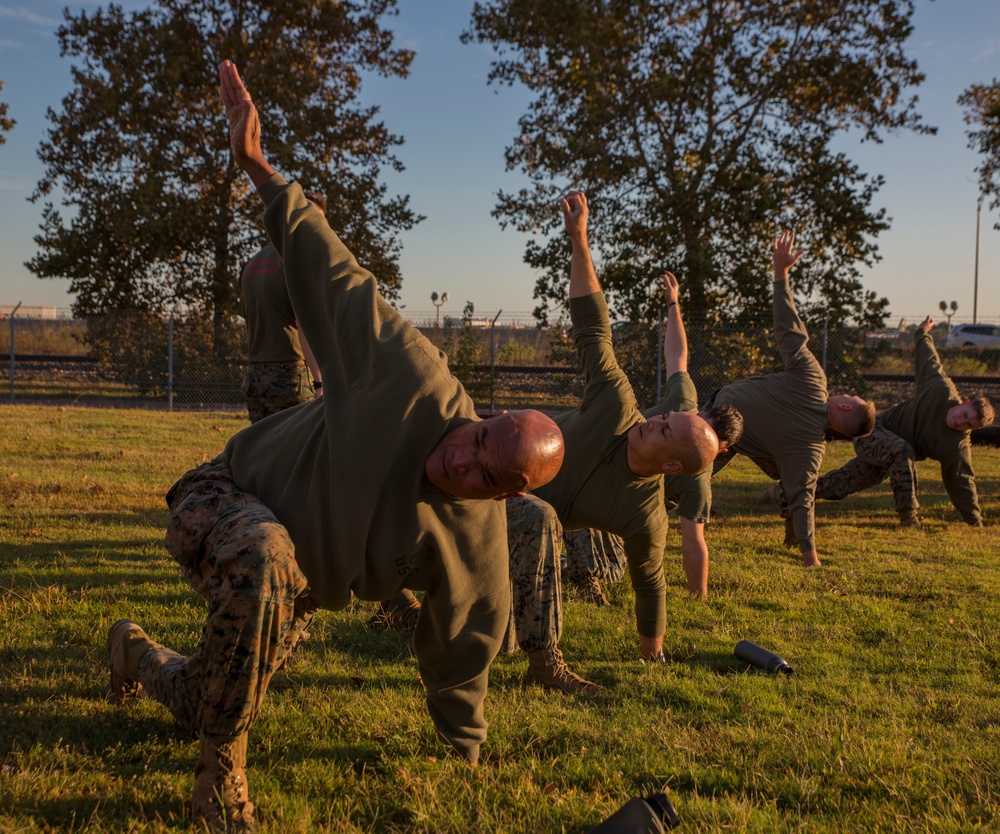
[[944, 309], [437, 303], [975, 279]]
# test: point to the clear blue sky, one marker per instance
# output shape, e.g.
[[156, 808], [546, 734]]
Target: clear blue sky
[[456, 128]]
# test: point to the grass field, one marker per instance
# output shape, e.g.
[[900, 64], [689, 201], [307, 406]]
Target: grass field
[[891, 721]]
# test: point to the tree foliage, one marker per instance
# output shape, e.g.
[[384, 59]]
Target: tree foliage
[[982, 112], [158, 214], [6, 123], [698, 128]]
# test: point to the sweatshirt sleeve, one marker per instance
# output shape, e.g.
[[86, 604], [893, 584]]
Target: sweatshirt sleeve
[[348, 325], [463, 618], [959, 481], [927, 368], [799, 474], [789, 331]]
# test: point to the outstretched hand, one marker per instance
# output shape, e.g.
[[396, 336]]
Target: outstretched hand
[[244, 124], [671, 289], [575, 213], [927, 324], [784, 254]]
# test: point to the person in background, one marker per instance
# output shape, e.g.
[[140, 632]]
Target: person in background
[[934, 424], [787, 414]]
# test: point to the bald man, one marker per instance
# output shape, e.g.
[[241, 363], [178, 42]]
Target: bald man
[[611, 480], [385, 481]]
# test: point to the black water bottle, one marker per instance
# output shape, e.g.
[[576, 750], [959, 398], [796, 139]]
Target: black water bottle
[[761, 658], [652, 815]]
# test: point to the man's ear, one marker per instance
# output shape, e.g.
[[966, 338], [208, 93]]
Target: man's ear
[[721, 451], [672, 466]]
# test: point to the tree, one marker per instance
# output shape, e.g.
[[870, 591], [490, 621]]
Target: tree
[[698, 128], [6, 123], [982, 109], [160, 215]]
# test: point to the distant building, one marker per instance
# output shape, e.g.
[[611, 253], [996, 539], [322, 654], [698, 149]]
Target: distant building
[[30, 312]]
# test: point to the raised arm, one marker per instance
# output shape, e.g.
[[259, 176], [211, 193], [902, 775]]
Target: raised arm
[[927, 363], [675, 345], [789, 331], [244, 125], [582, 276]]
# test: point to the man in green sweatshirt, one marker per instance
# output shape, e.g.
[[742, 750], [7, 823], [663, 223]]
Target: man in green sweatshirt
[[934, 424], [786, 415], [611, 480], [385, 481]]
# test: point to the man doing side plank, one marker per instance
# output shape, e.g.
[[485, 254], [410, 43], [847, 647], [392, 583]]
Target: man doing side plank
[[934, 424], [611, 480], [786, 414], [385, 481]]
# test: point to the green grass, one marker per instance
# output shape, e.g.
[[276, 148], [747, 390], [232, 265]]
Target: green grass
[[891, 721]]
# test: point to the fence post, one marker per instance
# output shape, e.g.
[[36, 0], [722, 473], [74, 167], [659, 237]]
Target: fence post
[[12, 314], [170, 362], [493, 375], [826, 333]]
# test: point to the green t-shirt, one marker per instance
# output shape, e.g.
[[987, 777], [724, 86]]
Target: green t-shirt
[[690, 495], [595, 487], [267, 310]]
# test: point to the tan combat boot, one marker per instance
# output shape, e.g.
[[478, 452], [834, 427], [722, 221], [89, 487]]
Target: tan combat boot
[[220, 802], [547, 667], [911, 519], [590, 591], [127, 645], [399, 612], [772, 495]]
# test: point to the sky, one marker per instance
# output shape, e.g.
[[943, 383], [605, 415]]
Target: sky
[[456, 128]]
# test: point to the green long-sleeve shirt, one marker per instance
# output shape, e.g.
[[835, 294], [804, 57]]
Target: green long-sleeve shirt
[[785, 415], [595, 487], [690, 495], [345, 473], [922, 422]]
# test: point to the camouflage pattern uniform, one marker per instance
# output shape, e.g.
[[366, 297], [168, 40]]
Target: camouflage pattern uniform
[[534, 537], [592, 553], [238, 556], [879, 455], [270, 387]]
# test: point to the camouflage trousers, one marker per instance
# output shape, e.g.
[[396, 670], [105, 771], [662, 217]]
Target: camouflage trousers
[[592, 553], [534, 537], [237, 555], [271, 387], [878, 456]]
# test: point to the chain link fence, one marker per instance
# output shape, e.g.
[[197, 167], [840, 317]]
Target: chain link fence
[[141, 360]]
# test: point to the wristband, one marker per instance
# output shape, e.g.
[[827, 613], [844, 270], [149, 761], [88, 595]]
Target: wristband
[[671, 304]]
